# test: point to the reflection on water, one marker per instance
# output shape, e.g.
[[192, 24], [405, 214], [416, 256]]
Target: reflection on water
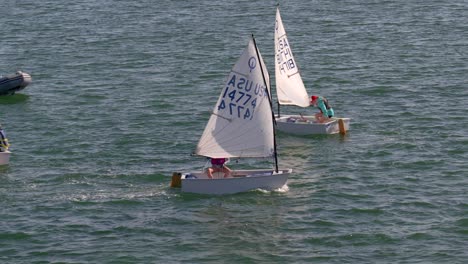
[[13, 99]]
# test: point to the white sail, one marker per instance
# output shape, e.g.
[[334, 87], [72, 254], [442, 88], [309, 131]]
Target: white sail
[[241, 124], [289, 86]]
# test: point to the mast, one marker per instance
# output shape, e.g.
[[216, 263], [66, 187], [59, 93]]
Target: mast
[[277, 100], [278, 108], [271, 104]]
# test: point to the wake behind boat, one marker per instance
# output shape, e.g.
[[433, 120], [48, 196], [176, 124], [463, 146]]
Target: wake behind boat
[[241, 126], [10, 84], [290, 90]]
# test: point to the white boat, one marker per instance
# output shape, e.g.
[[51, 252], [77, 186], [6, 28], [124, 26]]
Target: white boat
[[290, 90], [307, 125], [10, 84], [241, 126], [4, 157]]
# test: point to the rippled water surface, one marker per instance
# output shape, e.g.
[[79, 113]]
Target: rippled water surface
[[122, 91]]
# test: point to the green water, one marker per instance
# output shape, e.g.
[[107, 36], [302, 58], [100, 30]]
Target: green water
[[122, 91]]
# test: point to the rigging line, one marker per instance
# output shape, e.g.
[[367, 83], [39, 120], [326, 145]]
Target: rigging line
[[267, 89]]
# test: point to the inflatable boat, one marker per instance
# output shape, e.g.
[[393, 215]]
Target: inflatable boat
[[10, 84]]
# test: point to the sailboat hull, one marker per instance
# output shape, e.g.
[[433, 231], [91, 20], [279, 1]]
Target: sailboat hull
[[241, 181], [307, 125], [4, 158]]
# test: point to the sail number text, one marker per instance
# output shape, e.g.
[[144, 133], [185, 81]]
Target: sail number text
[[240, 97], [284, 57]]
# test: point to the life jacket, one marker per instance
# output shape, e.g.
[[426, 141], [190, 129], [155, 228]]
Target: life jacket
[[328, 108], [325, 101]]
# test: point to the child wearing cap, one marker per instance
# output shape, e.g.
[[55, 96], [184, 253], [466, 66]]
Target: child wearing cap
[[326, 111]]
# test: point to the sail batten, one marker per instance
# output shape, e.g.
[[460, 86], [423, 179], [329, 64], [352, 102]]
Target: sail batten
[[290, 88], [241, 124], [293, 75]]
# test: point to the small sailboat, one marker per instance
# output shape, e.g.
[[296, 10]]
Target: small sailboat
[[290, 90], [241, 126], [10, 84]]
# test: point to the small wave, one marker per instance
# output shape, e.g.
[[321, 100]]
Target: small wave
[[419, 236], [126, 199], [462, 223], [14, 236]]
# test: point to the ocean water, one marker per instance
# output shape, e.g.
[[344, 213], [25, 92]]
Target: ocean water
[[122, 91]]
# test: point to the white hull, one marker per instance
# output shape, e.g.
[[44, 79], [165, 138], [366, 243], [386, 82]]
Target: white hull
[[241, 181], [4, 158], [307, 125]]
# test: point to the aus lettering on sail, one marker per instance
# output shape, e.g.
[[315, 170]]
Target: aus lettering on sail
[[241, 96], [284, 57]]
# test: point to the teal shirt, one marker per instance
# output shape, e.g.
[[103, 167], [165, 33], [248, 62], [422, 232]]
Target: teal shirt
[[323, 108]]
